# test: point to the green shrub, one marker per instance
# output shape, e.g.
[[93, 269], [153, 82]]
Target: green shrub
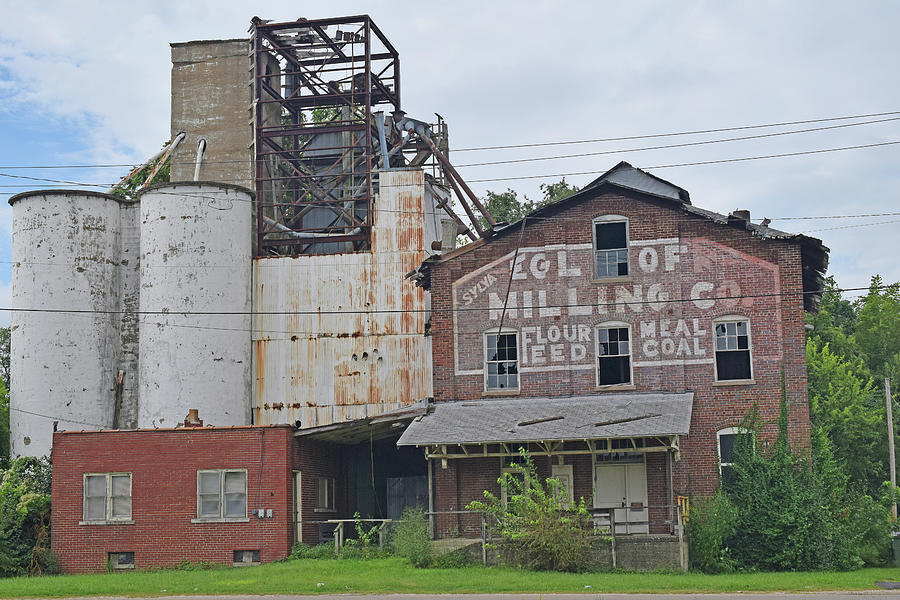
[[711, 522], [25, 518], [458, 559], [410, 538], [539, 528], [307, 551], [792, 513]]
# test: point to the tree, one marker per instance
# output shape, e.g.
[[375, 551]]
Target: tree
[[877, 330], [25, 518], [846, 405], [506, 206]]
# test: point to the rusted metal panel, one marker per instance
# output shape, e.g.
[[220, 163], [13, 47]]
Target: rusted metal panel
[[340, 337]]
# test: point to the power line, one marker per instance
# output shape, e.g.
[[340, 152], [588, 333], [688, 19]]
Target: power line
[[555, 175], [669, 146], [692, 164], [679, 133], [176, 313], [528, 145]]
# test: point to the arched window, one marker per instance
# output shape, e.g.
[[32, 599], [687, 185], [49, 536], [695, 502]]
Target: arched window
[[733, 348], [610, 246], [501, 359]]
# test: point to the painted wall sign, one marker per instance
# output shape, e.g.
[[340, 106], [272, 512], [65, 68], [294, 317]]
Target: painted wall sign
[[554, 301]]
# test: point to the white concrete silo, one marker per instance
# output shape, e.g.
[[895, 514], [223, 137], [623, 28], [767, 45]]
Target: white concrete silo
[[195, 303], [64, 335]]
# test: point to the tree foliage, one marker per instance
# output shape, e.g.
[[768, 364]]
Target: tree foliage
[[25, 519], [506, 206], [852, 347]]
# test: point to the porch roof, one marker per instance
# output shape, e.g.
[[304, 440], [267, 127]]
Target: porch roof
[[602, 416]]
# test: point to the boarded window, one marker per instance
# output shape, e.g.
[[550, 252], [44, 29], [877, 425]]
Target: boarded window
[[121, 560]]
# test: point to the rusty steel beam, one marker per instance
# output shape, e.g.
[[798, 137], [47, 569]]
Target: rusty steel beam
[[454, 174]]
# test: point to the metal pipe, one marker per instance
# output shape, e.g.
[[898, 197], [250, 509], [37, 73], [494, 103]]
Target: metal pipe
[[302, 235], [382, 138], [201, 148]]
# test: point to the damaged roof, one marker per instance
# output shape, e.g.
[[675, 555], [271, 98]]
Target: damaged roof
[[552, 419], [623, 176]]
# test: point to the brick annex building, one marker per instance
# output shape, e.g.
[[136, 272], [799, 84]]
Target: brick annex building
[[637, 332]]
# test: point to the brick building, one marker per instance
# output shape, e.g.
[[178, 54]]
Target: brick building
[[620, 335]]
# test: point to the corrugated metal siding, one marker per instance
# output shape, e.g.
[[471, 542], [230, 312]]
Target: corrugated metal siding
[[345, 360]]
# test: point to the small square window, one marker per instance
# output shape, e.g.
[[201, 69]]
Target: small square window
[[244, 558], [121, 560]]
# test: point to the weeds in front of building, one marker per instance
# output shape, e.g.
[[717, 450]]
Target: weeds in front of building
[[777, 511]]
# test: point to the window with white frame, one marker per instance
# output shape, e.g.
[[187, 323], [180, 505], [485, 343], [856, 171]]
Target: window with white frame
[[325, 494], [107, 497], [733, 349], [501, 360], [730, 440], [613, 354], [610, 246], [222, 494]]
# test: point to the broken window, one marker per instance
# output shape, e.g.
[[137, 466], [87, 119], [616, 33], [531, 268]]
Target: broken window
[[222, 494], [325, 493], [613, 355], [501, 361], [731, 440], [107, 497], [733, 349], [121, 560], [610, 246]]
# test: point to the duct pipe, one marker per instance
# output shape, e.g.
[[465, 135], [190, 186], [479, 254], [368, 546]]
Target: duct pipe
[[301, 235], [201, 148]]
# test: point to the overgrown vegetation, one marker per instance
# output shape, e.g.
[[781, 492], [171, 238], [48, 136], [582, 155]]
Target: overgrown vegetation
[[130, 185], [25, 519], [537, 525], [781, 512], [411, 540]]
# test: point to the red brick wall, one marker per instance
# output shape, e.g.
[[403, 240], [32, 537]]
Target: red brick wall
[[314, 460], [164, 465], [730, 258]]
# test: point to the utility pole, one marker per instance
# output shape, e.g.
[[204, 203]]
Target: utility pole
[[890, 423]]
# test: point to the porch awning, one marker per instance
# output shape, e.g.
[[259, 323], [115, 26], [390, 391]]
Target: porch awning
[[571, 419]]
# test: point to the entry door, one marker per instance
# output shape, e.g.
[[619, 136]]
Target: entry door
[[298, 513], [623, 487]]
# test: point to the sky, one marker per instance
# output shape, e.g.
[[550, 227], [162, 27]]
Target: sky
[[88, 83]]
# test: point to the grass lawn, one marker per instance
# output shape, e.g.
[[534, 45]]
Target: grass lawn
[[394, 575]]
